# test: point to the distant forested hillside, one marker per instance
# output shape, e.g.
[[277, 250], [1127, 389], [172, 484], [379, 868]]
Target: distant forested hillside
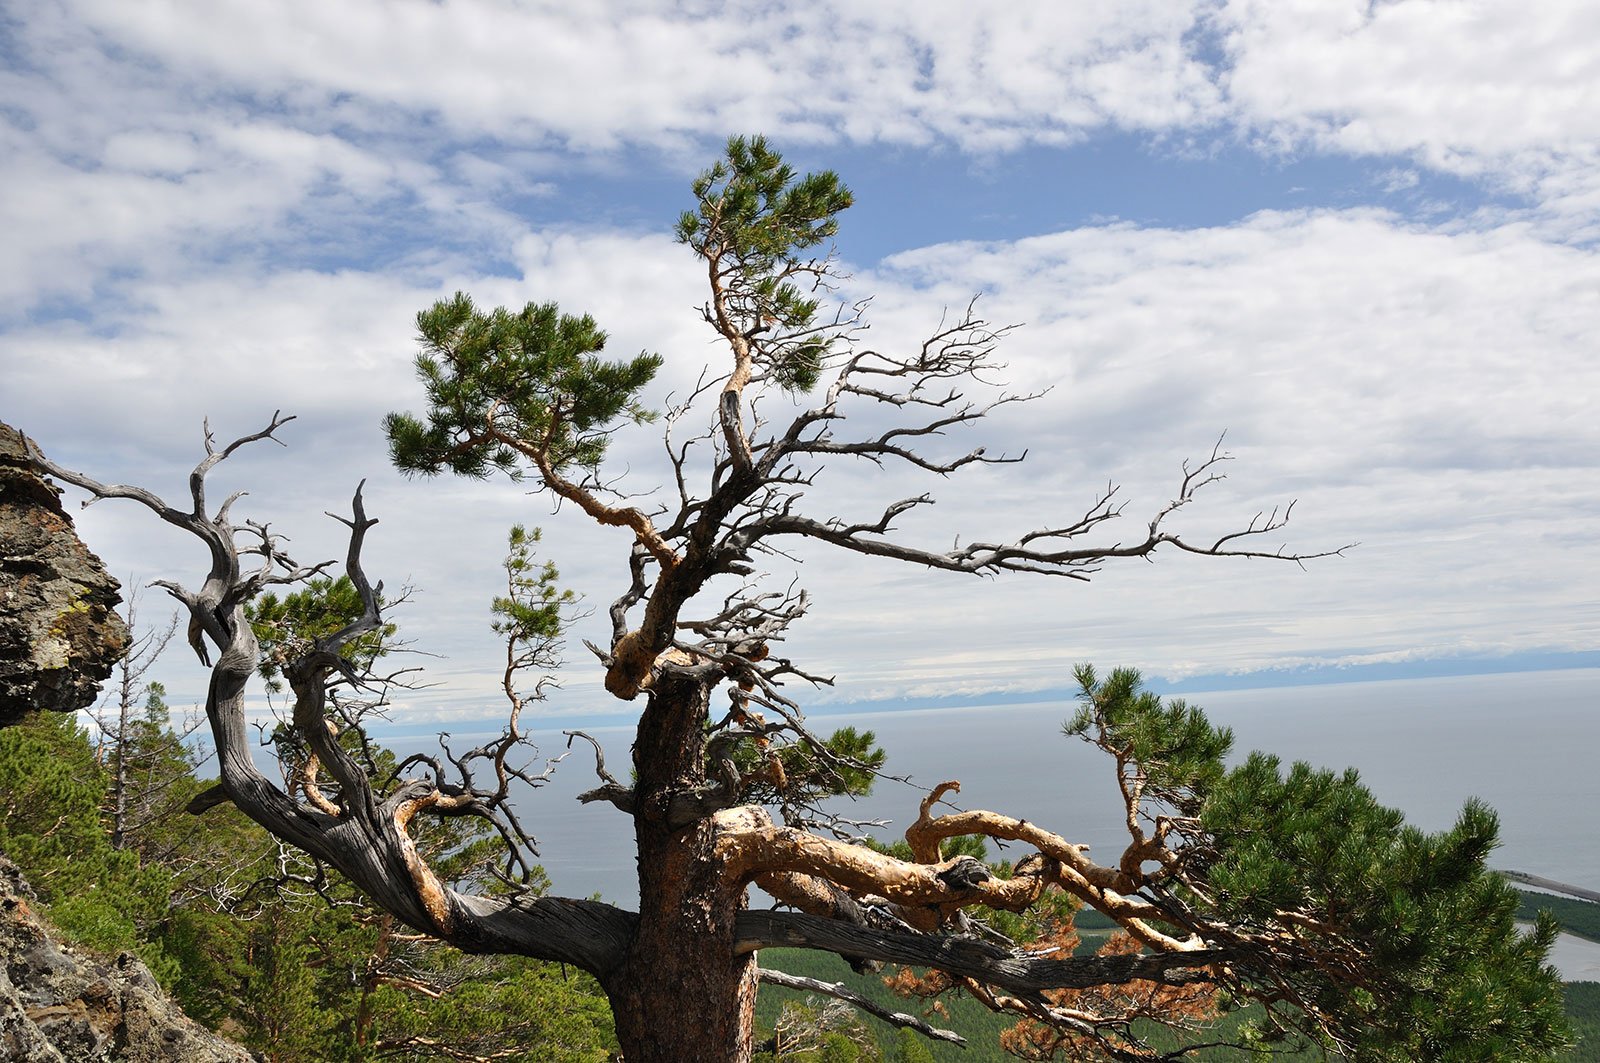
[[1576, 917], [982, 1027]]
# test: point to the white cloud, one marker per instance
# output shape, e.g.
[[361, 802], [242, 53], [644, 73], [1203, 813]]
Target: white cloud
[[1480, 76], [153, 201], [140, 137], [1395, 379], [1429, 393], [1481, 88], [123, 400], [593, 76], [1475, 86]]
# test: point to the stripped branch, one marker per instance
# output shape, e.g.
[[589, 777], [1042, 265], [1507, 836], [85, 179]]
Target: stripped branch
[[839, 991]]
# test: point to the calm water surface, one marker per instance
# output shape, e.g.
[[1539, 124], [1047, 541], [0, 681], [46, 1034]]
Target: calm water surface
[[1526, 743]]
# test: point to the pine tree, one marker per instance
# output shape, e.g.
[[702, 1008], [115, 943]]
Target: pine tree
[[908, 1049], [1288, 891], [51, 796]]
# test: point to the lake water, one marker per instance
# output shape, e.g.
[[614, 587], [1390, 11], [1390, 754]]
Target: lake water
[[1526, 743], [1578, 959]]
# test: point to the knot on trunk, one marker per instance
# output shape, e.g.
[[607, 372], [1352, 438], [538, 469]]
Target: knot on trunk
[[965, 873], [633, 666]]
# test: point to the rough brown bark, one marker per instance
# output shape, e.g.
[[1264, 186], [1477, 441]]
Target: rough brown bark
[[684, 990]]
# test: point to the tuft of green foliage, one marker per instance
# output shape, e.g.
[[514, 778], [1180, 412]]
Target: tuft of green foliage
[[752, 220], [286, 627], [531, 610], [909, 1048], [1423, 959], [1180, 754], [51, 796], [847, 770], [505, 383]]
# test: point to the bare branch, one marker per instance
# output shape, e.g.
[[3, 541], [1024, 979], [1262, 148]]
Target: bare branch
[[839, 991], [1040, 551], [964, 957]]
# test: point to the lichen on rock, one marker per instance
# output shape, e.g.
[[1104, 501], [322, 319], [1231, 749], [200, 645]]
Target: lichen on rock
[[57, 1006], [60, 634]]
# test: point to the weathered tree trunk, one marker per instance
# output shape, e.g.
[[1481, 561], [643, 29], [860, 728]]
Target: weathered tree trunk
[[682, 993], [119, 765]]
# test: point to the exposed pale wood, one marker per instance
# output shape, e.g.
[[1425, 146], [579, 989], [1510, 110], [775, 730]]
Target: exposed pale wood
[[839, 991]]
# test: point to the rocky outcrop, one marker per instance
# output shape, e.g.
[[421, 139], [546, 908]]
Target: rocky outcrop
[[60, 637], [59, 1007], [60, 634]]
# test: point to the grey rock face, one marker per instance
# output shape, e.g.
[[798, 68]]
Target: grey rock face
[[59, 639], [60, 1007], [59, 631]]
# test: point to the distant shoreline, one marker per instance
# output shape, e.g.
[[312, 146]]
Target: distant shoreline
[[1552, 886]]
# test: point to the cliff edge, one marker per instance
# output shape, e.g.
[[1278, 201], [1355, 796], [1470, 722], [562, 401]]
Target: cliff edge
[[60, 634], [57, 1006], [60, 637]]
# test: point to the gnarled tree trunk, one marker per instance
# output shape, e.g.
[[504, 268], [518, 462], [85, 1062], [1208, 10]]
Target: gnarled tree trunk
[[682, 992]]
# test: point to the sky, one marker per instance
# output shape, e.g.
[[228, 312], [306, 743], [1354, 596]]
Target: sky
[[1361, 239]]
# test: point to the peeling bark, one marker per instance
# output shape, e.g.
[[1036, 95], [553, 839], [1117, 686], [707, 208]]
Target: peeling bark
[[750, 853]]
